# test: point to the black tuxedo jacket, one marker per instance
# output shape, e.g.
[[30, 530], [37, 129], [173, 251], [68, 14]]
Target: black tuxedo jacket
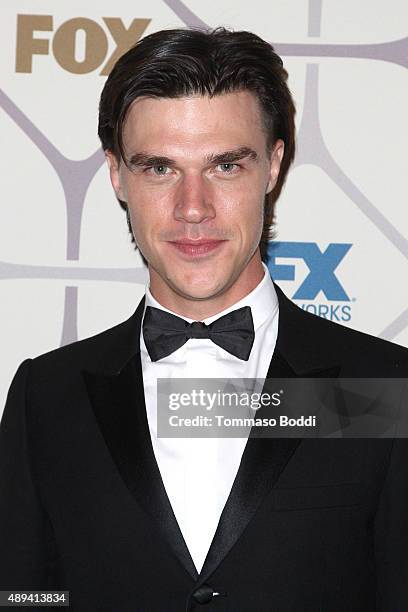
[[316, 525]]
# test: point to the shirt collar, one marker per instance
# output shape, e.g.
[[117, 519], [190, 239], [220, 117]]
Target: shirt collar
[[262, 300]]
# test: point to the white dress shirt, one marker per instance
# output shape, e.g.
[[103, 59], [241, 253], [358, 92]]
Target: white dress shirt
[[198, 473]]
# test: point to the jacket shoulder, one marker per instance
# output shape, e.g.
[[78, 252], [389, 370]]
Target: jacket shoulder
[[102, 352], [358, 353], [363, 352]]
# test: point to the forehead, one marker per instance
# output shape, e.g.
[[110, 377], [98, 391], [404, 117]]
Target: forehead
[[232, 119]]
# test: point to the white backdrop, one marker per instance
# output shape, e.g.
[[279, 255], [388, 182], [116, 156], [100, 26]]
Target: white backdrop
[[67, 267]]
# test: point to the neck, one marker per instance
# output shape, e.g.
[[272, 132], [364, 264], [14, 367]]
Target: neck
[[199, 309]]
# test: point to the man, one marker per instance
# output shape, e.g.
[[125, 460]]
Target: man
[[198, 130]]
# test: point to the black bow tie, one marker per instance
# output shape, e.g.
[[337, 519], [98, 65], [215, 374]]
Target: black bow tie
[[164, 333]]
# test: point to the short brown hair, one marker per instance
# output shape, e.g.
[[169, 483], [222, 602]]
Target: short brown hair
[[182, 62]]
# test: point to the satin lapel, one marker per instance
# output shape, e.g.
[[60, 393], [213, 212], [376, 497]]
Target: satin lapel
[[119, 406], [262, 462]]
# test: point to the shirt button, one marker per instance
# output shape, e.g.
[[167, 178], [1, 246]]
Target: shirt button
[[203, 594]]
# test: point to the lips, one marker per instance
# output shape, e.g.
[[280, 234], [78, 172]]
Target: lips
[[195, 248]]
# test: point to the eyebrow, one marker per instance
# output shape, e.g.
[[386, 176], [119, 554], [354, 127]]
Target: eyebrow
[[227, 157]]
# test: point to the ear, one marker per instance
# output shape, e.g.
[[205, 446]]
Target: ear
[[113, 165], [275, 163]]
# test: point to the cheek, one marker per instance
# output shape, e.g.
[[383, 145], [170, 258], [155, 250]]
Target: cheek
[[245, 211], [255, 224], [149, 215]]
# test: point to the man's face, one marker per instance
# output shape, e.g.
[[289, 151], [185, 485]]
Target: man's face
[[195, 188]]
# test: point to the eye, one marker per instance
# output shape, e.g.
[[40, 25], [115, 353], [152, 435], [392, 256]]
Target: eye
[[159, 170], [228, 168]]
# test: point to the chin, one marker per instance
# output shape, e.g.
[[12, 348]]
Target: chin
[[199, 293], [200, 290]]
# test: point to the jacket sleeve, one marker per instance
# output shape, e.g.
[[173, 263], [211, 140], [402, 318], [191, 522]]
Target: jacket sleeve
[[27, 546], [391, 534]]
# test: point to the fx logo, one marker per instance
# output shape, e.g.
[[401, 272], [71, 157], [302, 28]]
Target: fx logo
[[79, 45], [322, 266]]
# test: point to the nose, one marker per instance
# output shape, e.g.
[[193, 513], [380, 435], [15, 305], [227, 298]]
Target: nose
[[193, 200]]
